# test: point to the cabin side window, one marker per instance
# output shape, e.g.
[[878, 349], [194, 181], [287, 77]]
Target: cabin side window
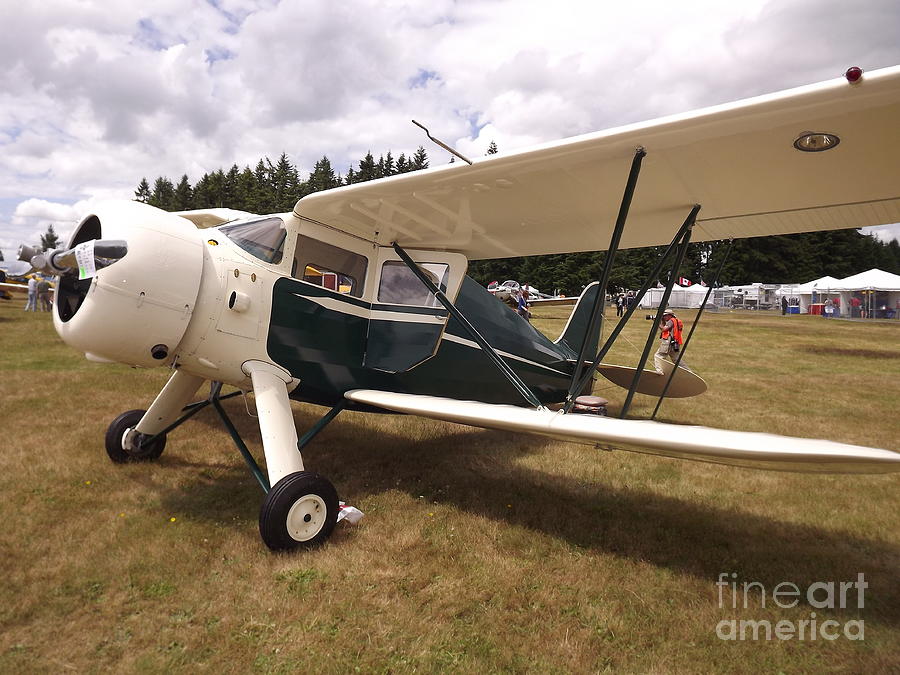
[[329, 266], [262, 238], [399, 286]]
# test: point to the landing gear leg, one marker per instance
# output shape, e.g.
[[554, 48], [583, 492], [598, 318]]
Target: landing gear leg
[[134, 436], [301, 508], [168, 405]]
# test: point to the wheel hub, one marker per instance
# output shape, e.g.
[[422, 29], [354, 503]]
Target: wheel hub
[[306, 517], [134, 443]]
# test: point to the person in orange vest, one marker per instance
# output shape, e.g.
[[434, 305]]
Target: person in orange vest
[[670, 339]]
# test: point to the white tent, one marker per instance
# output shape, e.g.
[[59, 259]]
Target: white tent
[[877, 291], [683, 297], [824, 288]]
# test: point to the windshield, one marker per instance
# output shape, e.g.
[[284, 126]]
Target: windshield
[[262, 238]]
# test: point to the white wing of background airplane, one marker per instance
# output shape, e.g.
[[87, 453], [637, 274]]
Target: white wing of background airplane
[[203, 218], [737, 160], [721, 446]]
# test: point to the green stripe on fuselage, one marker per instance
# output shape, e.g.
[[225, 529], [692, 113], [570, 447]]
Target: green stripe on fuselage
[[326, 348]]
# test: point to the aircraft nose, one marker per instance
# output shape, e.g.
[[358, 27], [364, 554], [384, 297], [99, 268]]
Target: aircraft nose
[[133, 309]]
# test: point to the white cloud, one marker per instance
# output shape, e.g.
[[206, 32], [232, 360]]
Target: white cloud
[[884, 232], [95, 95]]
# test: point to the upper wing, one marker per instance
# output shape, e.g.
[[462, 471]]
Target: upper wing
[[736, 160], [739, 448]]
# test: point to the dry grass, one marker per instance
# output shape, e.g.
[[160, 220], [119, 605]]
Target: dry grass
[[481, 551]]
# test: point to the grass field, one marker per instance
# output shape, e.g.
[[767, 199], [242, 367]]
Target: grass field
[[480, 551]]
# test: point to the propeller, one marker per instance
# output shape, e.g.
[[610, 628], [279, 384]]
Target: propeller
[[65, 261]]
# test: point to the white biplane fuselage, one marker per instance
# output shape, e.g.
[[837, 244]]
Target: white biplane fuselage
[[358, 298]]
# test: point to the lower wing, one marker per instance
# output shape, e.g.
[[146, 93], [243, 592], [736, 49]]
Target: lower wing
[[721, 446]]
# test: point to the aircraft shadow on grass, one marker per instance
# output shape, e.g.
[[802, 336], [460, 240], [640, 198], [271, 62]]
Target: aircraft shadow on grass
[[478, 472]]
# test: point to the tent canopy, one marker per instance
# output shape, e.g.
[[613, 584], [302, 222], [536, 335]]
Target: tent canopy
[[873, 279], [826, 283]]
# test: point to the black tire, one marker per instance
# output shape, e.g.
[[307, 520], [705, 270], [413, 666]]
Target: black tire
[[147, 451], [310, 523]]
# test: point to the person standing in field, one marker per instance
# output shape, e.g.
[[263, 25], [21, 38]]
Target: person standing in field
[[43, 292], [784, 305], [32, 295], [670, 339]]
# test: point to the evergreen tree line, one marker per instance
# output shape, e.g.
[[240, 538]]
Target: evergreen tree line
[[269, 188], [273, 188]]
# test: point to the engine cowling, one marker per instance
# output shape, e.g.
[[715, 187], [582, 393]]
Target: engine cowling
[[136, 310]]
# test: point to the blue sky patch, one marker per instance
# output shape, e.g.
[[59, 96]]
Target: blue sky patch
[[421, 79], [474, 127], [217, 53], [150, 36]]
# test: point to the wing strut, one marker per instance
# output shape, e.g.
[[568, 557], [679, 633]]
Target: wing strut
[[654, 274], [595, 323], [651, 334], [504, 368], [709, 290]]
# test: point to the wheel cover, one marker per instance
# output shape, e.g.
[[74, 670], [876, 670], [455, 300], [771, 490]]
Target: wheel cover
[[306, 517]]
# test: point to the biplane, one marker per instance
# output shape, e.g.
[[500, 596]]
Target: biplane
[[359, 299]]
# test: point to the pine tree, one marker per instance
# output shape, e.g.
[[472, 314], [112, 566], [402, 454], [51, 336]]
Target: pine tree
[[264, 195], [893, 249], [231, 187], [215, 189], [142, 194], [49, 240], [420, 159], [350, 178], [163, 196], [245, 192], [184, 195], [322, 177], [201, 193], [285, 183], [492, 149], [402, 164], [368, 170]]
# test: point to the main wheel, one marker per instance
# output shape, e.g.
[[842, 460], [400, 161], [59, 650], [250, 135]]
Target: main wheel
[[300, 510], [115, 440]]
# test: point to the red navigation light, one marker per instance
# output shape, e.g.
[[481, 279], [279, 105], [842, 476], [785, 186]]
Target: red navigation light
[[853, 74]]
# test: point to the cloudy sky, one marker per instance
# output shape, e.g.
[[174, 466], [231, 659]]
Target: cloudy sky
[[98, 94]]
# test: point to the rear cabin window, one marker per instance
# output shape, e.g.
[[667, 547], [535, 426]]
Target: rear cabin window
[[262, 238], [329, 266], [399, 286]]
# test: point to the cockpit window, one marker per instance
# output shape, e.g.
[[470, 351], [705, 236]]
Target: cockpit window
[[399, 286], [329, 266], [262, 238]]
